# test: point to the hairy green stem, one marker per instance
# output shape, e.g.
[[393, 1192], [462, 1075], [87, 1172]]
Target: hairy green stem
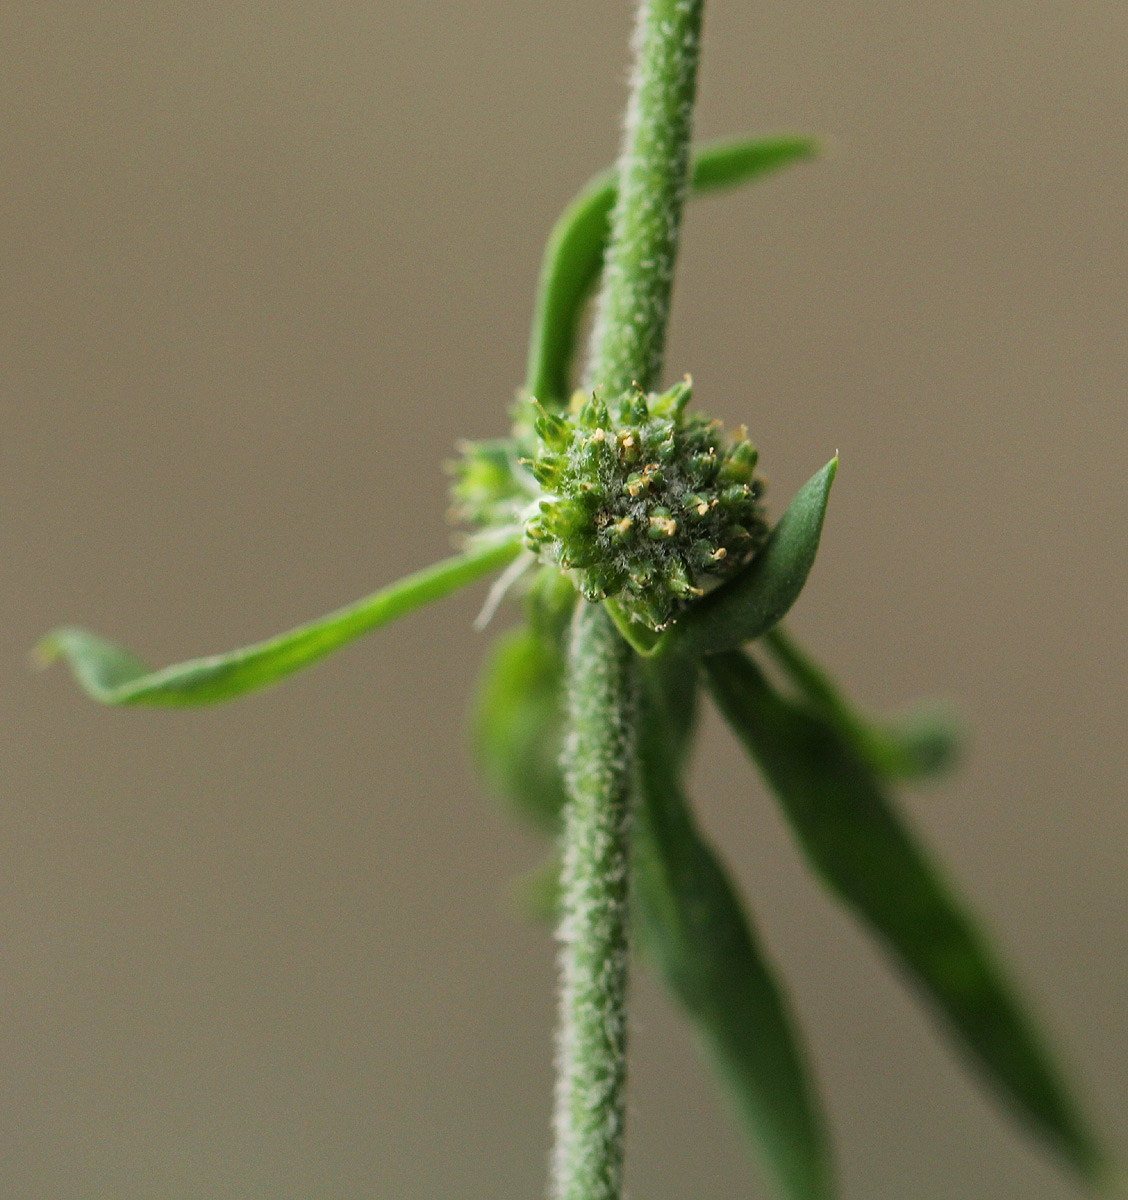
[[638, 275], [592, 1035], [627, 345], [573, 257]]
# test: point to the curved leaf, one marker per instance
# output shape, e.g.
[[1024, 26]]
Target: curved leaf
[[922, 742], [748, 605], [867, 857], [695, 931], [573, 257], [112, 675]]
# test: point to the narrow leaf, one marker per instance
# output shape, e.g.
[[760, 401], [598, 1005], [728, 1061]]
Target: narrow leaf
[[696, 933], [919, 743], [573, 257], [865, 854], [748, 605], [112, 675]]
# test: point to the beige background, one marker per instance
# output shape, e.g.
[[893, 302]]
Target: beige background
[[262, 264]]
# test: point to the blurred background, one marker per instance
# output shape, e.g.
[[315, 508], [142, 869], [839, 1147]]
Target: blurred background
[[262, 265]]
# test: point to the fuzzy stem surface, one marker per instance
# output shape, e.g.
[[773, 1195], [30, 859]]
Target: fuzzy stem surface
[[633, 306], [592, 1033], [627, 345]]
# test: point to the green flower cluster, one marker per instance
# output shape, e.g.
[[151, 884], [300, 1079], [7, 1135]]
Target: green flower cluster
[[644, 502], [637, 499]]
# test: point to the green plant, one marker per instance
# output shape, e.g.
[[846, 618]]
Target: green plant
[[654, 514]]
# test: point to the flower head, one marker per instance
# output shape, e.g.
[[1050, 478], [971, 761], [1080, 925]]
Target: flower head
[[635, 499]]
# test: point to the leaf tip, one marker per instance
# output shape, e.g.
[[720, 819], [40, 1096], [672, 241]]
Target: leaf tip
[[810, 146], [821, 483], [49, 649]]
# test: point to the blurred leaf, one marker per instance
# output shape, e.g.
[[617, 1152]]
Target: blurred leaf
[[536, 894], [676, 679], [695, 931], [573, 257], [550, 602], [729, 162], [517, 724], [866, 856], [913, 745], [112, 675], [518, 714], [746, 606], [924, 741]]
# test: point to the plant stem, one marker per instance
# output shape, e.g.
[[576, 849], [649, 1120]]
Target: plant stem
[[592, 1036], [634, 303], [627, 345]]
